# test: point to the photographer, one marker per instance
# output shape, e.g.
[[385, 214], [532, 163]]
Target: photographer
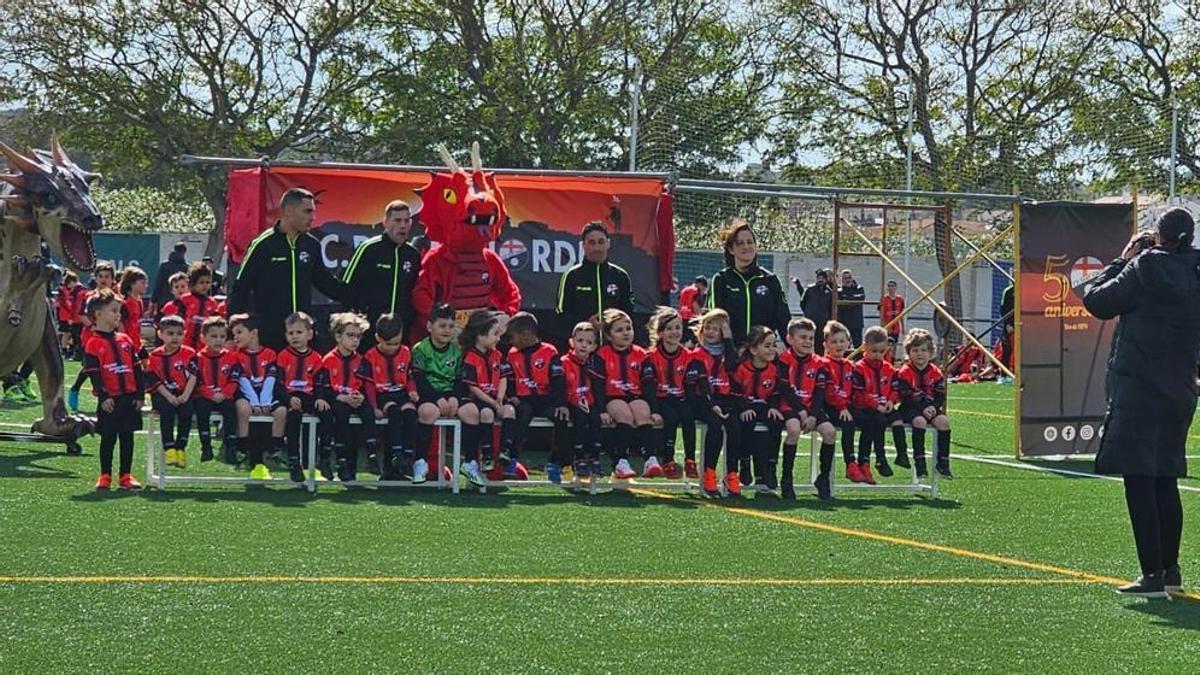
[[1154, 287]]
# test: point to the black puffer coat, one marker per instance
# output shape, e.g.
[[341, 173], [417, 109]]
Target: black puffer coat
[[1151, 378]]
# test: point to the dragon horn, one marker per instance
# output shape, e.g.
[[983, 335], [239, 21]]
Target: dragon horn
[[20, 162], [476, 163], [14, 179], [444, 153], [56, 149]]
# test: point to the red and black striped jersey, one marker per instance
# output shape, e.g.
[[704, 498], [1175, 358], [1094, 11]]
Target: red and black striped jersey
[[839, 382], [131, 320], [713, 376], [666, 375], [874, 384], [622, 370], [194, 309], [584, 381], [759, 386], [482, 370], [171, 370], [218, 372], [345, 374], [111, 360], [296, 372], [807, 377], [925, 387], [534, 370], [389, 370], [257, 366]]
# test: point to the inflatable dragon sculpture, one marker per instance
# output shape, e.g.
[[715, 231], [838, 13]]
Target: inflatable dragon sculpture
[[45, 198]]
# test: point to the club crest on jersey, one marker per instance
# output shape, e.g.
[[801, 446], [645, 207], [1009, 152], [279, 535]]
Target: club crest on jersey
[[760, 290], [407, 266], [486, 277], [611, 289], [539, 363], [304, 257]]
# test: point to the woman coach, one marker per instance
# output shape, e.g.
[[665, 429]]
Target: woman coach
[[750, 294], [1154, 287]]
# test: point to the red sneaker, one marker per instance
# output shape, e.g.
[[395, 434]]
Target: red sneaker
[[689, 469], [104, 482], [733, 484], [129, 483], [864, 471], [652, 469], [852, 473], [710, 481], [672, 471]]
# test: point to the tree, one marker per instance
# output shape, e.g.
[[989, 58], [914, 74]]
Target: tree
[[136, 84], [991, 85]]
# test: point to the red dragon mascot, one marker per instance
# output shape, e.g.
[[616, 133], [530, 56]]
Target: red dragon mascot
[[463, 213]]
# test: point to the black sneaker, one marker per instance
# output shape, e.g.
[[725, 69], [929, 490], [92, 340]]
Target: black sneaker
[[823, 490], [788, 491], [883, 468], [345, 473], [902, 460], [1173, 580], [206, 454], [1146, 586], [943, 468], [324, 468], [921, 470], [229, 453], [770, 481], [296, 473]]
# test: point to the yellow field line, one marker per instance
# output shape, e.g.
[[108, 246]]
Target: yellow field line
[[913, 543], [957, 411], [525, 581]]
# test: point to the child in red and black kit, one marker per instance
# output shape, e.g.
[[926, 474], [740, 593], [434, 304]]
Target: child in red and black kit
[[760, 379], [395, 397], [625, 401], [804, 405], [65, 311], [257, 376], [486, 383], [218, 374], [922, 390], [585, 398], [105, 277], [296, 380], [194, 306], [875, 401], [665, 381], [172, 371], [839, 389], [133, 287], [537, 389], [714, 361], [346, 382], [111, 362]]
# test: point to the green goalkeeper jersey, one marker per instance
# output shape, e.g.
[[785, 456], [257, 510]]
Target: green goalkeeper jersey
[[439, 370]]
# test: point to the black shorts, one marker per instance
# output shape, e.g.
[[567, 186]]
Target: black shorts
[[628, 398], [910, 411], [307, 402], [125, 416], [398, 397], [441, 394], [863, 416]]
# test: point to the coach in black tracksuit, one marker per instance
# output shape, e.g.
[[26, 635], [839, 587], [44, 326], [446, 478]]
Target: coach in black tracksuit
[[280, 269], [383, 271], [752, 296], [1154, 287], [594, 285]]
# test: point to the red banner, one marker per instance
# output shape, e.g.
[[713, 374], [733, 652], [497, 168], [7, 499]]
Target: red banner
[[540, 241]]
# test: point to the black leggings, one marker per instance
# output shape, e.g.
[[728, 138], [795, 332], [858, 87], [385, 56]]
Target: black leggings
[[731, 427], [587, 436], [175, 422], [108, 442], [1157, 518], [204, 411], [677, 413]]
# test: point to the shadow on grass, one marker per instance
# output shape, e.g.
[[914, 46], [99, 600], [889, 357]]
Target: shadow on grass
[[1081, 465], [26, 466], [1174, 613], [847, 503]]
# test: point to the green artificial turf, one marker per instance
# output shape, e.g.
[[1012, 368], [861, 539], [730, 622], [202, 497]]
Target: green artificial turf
[[545, 580]]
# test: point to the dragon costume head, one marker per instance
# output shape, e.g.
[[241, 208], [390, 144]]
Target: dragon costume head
[[460, 210], [51, 197]]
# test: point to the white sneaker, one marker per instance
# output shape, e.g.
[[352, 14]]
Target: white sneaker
[[471, 471], [652, 469], [623, 471], [420, 470]]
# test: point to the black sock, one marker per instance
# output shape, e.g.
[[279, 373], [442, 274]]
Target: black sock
[[789, 462], [421, 441], [126, 440], [645, 441], [508, 436], [279, 445], [470, 442], [486, 432], [253, 452], [826, 458], [865, 436], [107, 443], [918, 443], [714, 437], [408, 427], [622, 439], [943, 443], [900, 440], [848, 443]]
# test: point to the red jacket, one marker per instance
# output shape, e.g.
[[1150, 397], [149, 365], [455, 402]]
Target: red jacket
[[807, 378], [466, 280], [296, 373], [839, 382], [218, 372], [622, 371], [922, 388], [390, 371], [482, 370], [194, 309], [583, 380], [535, 371], [111, 361], [171, 370], [666, 375], [874, 384]]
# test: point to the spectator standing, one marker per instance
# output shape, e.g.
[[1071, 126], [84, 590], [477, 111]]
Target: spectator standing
[[890, 307], [692, 298], [218, 279], [851, 297], [176, 262], [816, 303]]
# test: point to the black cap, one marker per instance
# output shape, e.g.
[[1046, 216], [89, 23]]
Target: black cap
[[180, 247], [1176, 226], [207, 258]]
